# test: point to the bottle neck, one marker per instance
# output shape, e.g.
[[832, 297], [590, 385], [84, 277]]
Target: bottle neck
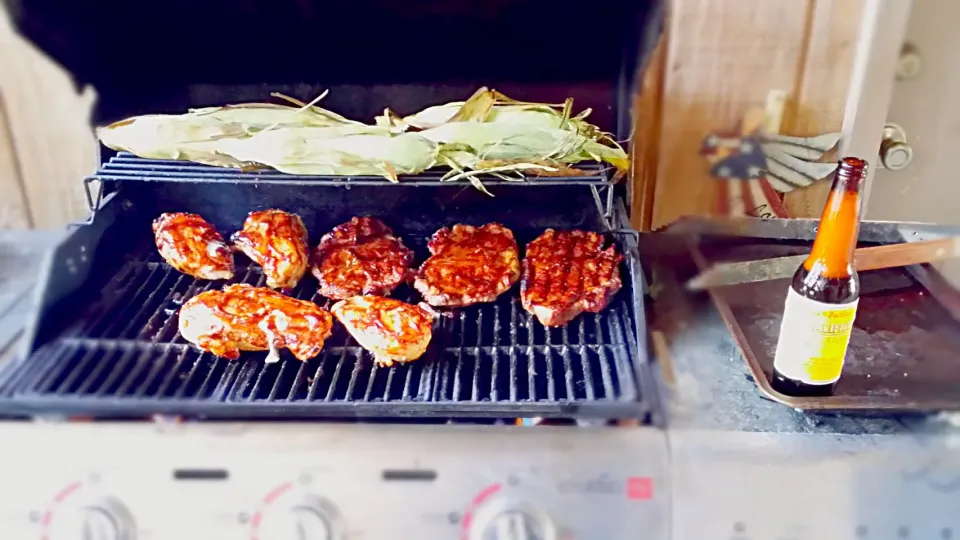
[[832, 253]]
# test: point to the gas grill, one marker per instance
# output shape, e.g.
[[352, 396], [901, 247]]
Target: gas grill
[[117, 352], [104, 344], [306, 449]]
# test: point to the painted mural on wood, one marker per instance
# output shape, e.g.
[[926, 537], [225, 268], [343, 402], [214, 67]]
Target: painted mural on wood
[[755, 167]]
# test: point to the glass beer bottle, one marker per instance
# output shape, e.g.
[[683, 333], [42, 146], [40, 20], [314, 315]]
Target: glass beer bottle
[[822, 301]]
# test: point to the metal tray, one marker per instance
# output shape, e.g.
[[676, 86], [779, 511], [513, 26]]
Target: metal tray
[[905, 345]]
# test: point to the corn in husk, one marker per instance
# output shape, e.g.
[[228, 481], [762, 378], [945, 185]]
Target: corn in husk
[[493, 134], [338, 151], [171, 137], [194, 136], [487, 134]]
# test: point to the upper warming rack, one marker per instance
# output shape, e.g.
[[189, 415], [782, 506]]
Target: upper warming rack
[[124, 166]]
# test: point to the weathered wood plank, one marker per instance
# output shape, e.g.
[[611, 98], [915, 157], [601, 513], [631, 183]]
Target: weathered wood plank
[[50, 123], [819, 101], [14, 213], [723, 58], [645, 147]]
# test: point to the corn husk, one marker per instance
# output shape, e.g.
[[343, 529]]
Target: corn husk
[[194, 136], [464, 165], [493, 134], [487, 105], [484, 105], [489, 134], [171, 137], [507, 141], [260, 116], [471, 145], [336, 151]]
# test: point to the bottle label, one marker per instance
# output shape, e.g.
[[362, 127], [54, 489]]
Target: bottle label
[[813, 339]]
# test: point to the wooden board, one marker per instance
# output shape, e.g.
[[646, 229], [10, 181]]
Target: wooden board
[[645, 147], [722, 59], [49, 123], [14, 213], [819, 104]]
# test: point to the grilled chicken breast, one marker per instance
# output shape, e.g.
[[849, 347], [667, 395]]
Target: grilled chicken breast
[[192, 246], [277, 241], [247, 318], [469, 265], [566, 273], [360, 257], [392, 330]]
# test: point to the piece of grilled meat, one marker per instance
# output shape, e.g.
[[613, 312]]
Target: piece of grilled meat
[[358, 257], [192, 246], [277, 241], [392, 330], [469, 265], [246, 318], [566, 273]]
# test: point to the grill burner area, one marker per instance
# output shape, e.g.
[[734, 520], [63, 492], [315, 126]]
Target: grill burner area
[[485, 359], [105, 342]]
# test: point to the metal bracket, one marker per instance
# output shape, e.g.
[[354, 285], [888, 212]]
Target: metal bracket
[[603, 199], [626, 232], [94, 194]]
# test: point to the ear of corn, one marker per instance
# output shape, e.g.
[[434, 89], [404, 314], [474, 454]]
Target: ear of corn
[[260, 116], [537, 138], [506, 141], [171, 137], [345, 151]]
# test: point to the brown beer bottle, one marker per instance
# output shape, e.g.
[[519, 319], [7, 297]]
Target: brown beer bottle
[[822, 301]]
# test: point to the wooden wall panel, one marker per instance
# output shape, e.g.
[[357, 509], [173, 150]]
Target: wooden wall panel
[[14, 213], [819, 102], [49, 122], [722, 59]]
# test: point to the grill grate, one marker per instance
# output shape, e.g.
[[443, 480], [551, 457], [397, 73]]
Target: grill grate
[[485, 360], [125, 167]]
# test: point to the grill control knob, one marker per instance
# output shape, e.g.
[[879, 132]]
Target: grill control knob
[[99, 519], [503, 519], [306, 518]]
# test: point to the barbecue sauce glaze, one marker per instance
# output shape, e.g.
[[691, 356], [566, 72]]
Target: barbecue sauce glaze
[[469, 265], [191, 245], [822, 301]]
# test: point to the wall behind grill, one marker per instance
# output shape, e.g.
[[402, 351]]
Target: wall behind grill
[[46, 145]]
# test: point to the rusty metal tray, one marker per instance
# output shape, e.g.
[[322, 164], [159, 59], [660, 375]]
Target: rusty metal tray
[[904, 353]]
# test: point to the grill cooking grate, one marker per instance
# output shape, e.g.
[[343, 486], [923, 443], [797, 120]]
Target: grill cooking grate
[[126, 166], [486, 360]]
